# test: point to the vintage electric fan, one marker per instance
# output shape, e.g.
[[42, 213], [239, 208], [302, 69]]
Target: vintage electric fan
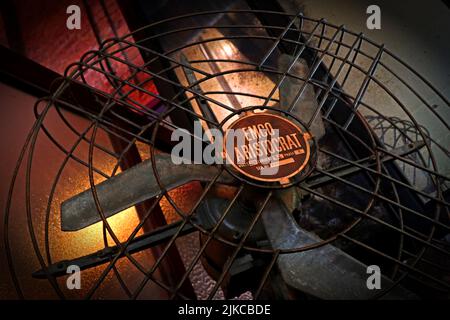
[[361, 180]]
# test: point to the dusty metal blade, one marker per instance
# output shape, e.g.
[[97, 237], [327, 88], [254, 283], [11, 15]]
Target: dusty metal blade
[[145, 241], [305, 104], [132, 187], [325, 272]]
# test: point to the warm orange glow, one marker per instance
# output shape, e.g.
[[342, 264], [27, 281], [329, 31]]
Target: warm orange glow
[[252, 82], [228, 49]]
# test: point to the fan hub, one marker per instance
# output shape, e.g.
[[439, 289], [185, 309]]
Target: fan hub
[[267, 147]]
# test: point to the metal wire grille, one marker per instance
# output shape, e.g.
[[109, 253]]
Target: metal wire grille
[[345, 69]]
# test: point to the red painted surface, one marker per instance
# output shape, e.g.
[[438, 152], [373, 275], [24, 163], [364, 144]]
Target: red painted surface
[[48, 41]]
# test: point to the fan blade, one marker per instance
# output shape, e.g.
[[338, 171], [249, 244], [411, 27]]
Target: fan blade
[[325, 272], [306, 104], [132, 187], [145, 241]]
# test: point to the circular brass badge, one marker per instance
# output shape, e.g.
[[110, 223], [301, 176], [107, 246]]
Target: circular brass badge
[[266, 147]]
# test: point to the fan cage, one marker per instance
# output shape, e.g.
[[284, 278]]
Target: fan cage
[[345, 54]]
